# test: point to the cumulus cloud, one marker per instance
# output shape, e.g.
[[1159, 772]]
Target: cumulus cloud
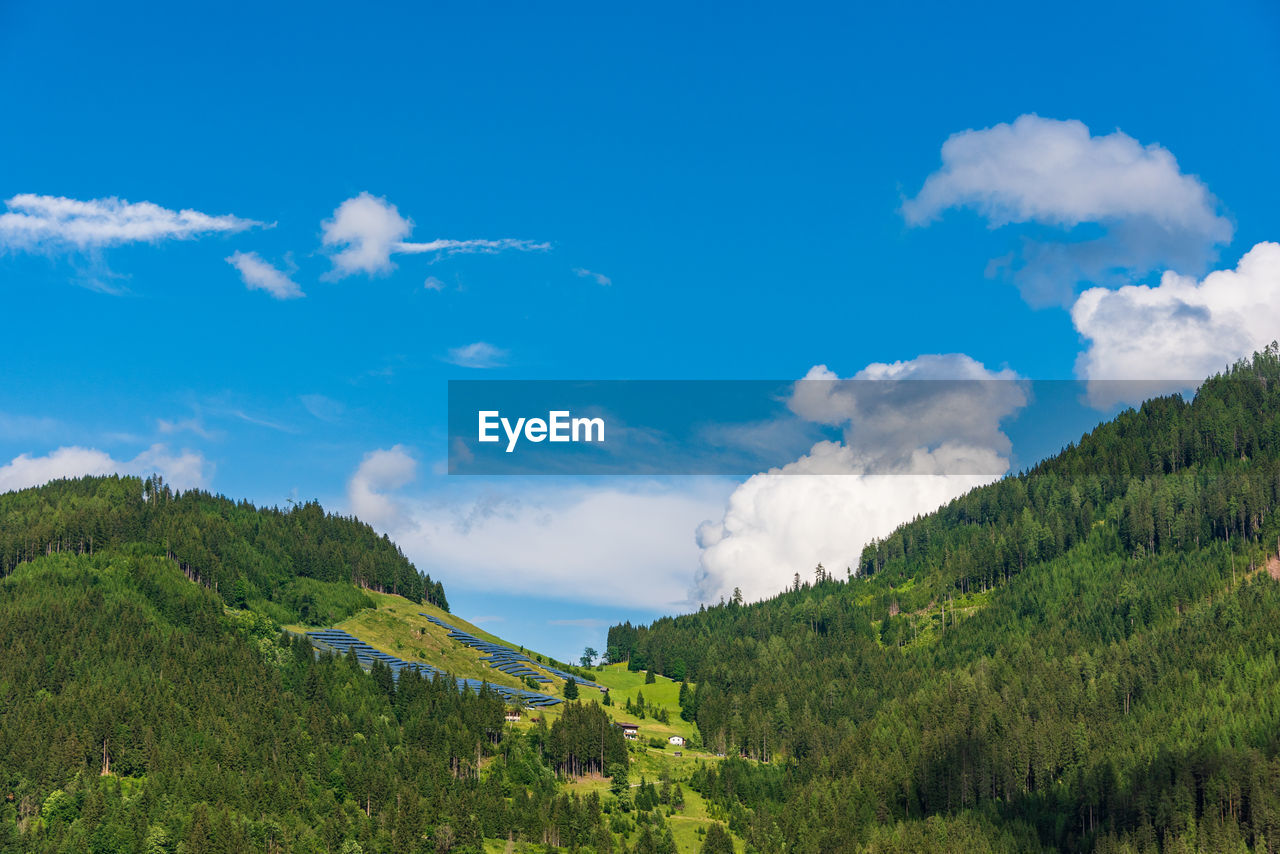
[[366, 230], [915, 435], [183, 470], [949, 405], [36, 223], [381, 472], [477, 355], [258, 274], [776, 524], [1149, 213], [598, 278], [1170, 336]]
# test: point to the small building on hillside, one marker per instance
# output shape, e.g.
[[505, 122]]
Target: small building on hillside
[[677, 740], [629, 731], [513, 716]]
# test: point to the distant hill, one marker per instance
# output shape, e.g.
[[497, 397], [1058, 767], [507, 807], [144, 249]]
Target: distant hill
[[297, 565], [1082, 657]]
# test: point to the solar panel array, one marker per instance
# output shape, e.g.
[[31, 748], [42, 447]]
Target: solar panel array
[[505, 658], [341, 642]]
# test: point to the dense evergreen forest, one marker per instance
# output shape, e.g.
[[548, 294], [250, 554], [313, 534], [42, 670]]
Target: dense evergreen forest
[[296, 565], [140, 713], [1082, 657]]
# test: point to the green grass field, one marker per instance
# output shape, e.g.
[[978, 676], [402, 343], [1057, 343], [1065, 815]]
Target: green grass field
[[664, 692], [397, 627]]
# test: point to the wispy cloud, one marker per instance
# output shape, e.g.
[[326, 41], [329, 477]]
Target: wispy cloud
[[491, 618], [433, 284], [477, 355], [258, 274], [366, 230], [582, 622], [600, 278], [260, 422], [472, 247], [194, 424], [47, 223], [324, 408], [208, 415]]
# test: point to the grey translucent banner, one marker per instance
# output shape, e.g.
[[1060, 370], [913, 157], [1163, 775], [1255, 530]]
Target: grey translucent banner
[[975, 427]]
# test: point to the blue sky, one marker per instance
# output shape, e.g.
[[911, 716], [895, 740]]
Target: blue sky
[[721, 192]]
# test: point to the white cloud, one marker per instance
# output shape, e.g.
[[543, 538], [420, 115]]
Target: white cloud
[[1055, 173], [381, 471], [477, 355], [776, 525], [1172, 335], [889, 412], [631, 542], [911, 443], [183, 470], [433, 284], [36, 222], [366, 230], [260, 275], [599, 278], [624, 543]]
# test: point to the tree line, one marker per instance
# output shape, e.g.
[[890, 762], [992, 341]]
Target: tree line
[[296, 564]]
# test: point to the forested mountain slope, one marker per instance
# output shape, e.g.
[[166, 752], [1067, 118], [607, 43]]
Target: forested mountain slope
[[137, 716], [1082, 657], [139, 712]]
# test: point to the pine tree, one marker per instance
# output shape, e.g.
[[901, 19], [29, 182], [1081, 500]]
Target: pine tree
[[718, 840]]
